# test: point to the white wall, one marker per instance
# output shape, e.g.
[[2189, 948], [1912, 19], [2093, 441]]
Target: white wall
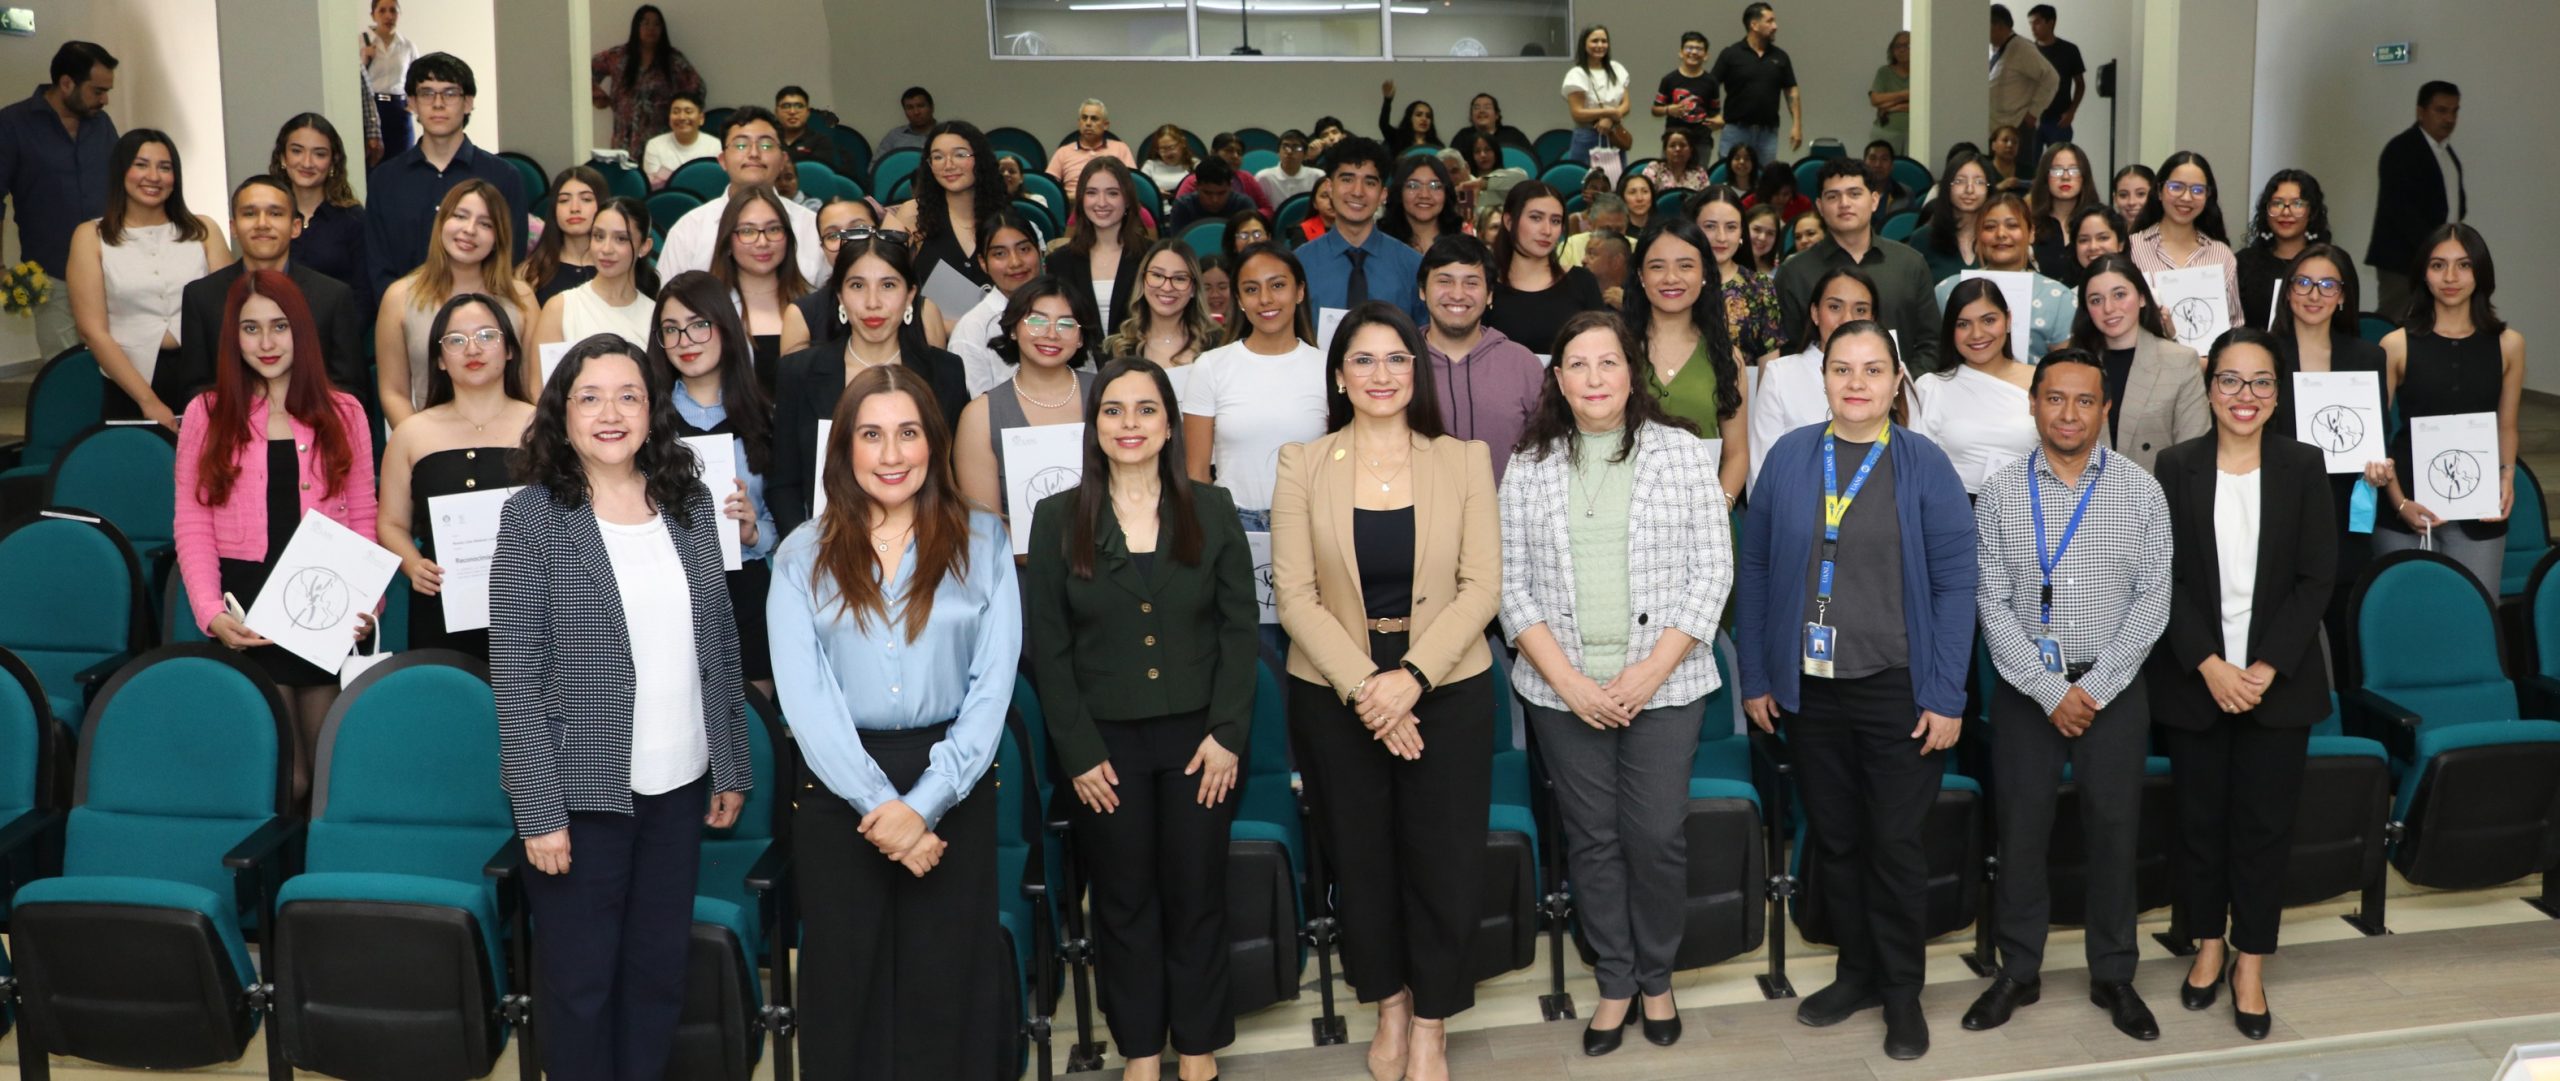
[[746, 51], [2103, 29], [468, 29], [2323, 105]]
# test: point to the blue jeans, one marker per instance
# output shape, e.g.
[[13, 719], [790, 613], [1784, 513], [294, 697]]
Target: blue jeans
[[1764, 143], [1585, 140], [1275, 642]]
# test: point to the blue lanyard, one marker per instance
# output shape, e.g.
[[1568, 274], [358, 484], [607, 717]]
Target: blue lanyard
[[1835, 506], [2035, 509]]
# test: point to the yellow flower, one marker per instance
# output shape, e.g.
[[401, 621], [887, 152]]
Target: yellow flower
[[20, 296]]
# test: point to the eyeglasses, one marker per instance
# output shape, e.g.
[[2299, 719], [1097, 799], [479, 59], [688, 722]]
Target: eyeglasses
[[942, 157], [588, 403], [768, 231], [1040, 325], [2229, 385], [743, 145], [2181, 187], [2064, 172], [853, 233], [2288, 204], [1175, 279], [485, 338], [696, 332], [1963, 183], [2327, 287], [1364, 363], [444, 96], [1423, 185]]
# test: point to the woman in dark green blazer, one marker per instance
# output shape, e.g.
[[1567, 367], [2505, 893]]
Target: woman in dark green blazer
[[1142, 620]]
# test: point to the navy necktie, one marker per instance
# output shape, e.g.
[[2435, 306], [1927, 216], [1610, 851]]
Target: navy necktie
[[1357, 288]]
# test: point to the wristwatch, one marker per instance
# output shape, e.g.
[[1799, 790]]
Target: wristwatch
[[1418, 678]]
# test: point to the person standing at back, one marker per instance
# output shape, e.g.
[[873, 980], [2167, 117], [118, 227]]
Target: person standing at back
[[2070, 72], [385, 55], [54, 149], [1755, 73], [1687, 100], [639, 78], [407, 187], [2022, 81], [2422, 188]]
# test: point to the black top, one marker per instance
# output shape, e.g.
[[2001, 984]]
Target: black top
[[2411, 202], [2347, 353], [1678, 91], [448, 472], [1390, 128], [1866, 584], [565, 277], [1464, 142], [1753, 83], [767, 350], [811, 384], [2119, 366], [1075, 268], [1383, 542], [405, 191], [2444, 377], [284, 496], [1532, 319], [332, 242], [2056, 260], [333, 306], [2065, 58], [945, 247]]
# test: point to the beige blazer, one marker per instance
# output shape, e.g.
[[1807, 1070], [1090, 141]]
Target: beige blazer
[[2164, 401], [1457, 566]]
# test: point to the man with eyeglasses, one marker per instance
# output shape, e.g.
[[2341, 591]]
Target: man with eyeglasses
[[1356, 261], [1093, 140], [751, 152], [1291, 176], [264, 222], [403, 192], [1906, 300], [799, 140]]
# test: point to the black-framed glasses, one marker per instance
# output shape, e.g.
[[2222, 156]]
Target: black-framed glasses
[[694, 333], [2327, 287], [2181, 187], [768, 231], [2230, 384], [1176, 279], [855, 233]]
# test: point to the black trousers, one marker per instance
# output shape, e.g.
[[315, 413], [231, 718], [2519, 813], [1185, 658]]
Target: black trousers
[[2027, 755], [2238, 785], [901, 977], [1159, 871], [1867, 791], [612, 935], [1405, 839]]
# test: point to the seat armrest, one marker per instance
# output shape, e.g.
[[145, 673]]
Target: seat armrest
[[262, 847], [25, 829], [2379, 714], [772, 870], [507, 863], [2540, 696], [90, 677]]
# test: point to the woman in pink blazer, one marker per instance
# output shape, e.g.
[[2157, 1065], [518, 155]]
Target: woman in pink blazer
[[271, 441]]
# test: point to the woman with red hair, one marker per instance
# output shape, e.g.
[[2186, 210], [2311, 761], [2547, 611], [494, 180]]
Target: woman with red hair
[[269, 442]]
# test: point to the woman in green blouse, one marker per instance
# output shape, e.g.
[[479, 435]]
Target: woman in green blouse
[[1696, 372]]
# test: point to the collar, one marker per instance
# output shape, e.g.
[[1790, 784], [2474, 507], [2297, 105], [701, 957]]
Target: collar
[[2433, 142], [2044, 465]]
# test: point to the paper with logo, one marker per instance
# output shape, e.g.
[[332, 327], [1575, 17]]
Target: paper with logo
[[719, 456], [1039, 461], [1328, 320], [818, 479], [2018, 287], [2193, 304], [2456, 461], [465, 528], [2340, 413], [1264, 592], [552, 354], [327, 577]]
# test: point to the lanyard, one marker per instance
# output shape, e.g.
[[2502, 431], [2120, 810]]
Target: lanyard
[[2035, 509], [1835, 506]]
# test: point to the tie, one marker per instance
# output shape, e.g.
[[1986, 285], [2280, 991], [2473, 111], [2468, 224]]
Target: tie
[[1357, 289]]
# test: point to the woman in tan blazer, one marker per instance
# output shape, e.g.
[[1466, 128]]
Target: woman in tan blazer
[[1386, 560], [2155, 393]]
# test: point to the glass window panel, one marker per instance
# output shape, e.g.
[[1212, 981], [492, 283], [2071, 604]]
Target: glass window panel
[[1292, 28], [1025, 28], [1482, 28]]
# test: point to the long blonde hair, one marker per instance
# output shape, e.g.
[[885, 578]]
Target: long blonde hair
[[1131, 339], [433, 280]]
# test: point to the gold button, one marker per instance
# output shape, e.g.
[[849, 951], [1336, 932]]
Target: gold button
[[467, 482], [1146, 607], [470, 455], [1151, 639], [306, 486], [1151, 673], [302, 446]]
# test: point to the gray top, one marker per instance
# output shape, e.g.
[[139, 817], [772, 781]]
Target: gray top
[[1004, 413], [1866, 587]]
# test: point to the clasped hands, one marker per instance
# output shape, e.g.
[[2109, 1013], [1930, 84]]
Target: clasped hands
[[900, 834], [1385, 704], [2236, 689], [1613, 704]]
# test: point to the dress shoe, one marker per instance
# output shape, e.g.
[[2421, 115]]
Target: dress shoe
[[1834, 1004], [1906, 1030], [2124, 1007], [1597, 1041], [1662, 1033], [2199, 998], [2251, 1025], [1998, 1001]]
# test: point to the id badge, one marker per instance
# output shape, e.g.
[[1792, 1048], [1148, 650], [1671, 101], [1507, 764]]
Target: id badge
[[1821, 645], [2051, 652]]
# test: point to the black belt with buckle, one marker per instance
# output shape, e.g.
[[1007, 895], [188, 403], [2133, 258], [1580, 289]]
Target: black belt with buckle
[[2073, 672]]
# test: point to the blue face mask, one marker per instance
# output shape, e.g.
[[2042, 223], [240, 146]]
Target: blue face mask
[[2360, 507]]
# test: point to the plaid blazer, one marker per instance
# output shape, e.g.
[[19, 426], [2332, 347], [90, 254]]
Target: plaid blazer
[[1679, 559]]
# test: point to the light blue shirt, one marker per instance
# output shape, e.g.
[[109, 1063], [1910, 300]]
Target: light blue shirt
[[706, 417], [1394, 270], [839, 676]]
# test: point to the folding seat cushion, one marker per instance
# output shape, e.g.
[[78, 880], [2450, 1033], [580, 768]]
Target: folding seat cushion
[[2481, 805], [2427, 641]]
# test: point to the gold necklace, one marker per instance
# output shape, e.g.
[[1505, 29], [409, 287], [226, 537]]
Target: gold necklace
[[881, 544], [1386, 481], [477, 426]]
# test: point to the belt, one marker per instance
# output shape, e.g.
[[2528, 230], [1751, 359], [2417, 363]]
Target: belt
[[1398, 625], [2073, 672], [389, 97]]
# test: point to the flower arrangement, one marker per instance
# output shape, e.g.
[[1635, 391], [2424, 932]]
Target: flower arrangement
[[24, 288]]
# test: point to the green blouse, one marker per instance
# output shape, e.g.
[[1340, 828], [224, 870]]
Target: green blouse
[[1692, 393], [1597, 497]]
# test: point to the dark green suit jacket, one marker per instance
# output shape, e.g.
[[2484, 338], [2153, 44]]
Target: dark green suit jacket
[[1127, 646]]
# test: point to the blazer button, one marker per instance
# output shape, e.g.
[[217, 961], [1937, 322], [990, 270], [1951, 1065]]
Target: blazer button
[[1146, 608], [1151, 639], [1640, 617], [1151, 673], [306, 486], [470, 482], [470, 455]]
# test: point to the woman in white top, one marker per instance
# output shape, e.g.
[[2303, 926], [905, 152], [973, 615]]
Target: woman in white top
[[1169, 158], [2004, 240], [1262, 390], [2181, 227], [127, 271], [1595, 93], [470, 255], [620, 298], [386, 55], [1790, 393], [1978, 411], [681, 142]]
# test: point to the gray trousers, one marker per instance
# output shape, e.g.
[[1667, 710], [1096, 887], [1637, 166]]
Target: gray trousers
[[2484, 557], [2027, 755], [1624, 794]]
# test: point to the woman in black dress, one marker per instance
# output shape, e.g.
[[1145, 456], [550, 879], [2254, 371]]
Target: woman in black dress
[[1533, 292], [462, 442]]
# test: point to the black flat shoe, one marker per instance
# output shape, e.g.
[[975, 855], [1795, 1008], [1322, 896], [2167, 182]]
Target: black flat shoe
[[1662, 1033], [2001, 999], [2200, 998], [1834, 1004], [1597, 1041], [2125, 1007], [1906, 1031]]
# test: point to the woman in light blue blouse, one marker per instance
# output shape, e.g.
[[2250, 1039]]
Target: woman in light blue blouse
[[697, 341], [896, 628], [2004, 241]]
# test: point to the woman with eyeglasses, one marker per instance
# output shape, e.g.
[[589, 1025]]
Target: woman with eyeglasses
[[1046, 337], [758, 257], [1168, 320], [964, 193], [2064, 186], [464, 441], [470, 254], [2001, 240], [2238, 679], [618, 298], [2292, 215], [2315, 331], [2181, 226], [1425, 206], [1947, 244], [700, 348], [2453, 356], [1103, 256]]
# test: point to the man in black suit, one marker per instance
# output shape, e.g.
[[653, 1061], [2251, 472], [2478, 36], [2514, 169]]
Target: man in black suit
[[2421, 189], [264, 221]]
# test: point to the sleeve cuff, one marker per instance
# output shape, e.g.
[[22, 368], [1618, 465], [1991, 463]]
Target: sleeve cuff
[[932, 797]]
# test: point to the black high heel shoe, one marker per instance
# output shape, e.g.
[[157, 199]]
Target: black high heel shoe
[[1597, 1041], [2252, 1025], [2200, 998]]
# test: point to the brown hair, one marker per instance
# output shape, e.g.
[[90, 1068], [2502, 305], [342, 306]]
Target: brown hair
[[497, 272], [942, 512]]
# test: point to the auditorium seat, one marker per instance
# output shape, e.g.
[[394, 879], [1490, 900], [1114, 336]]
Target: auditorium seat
[[1901, 224], [890, 168], [1551, 146], [1258, 159], [390, 954], [1149, 197], [126, 474], [1258, 139], [1913, 175], [703, 178], [537, 180], [74, 612], [1728, 866], [2425, 649], [1565, 177], [1022, 885], [135, 956], [1021, 143], [62, 402], [2340, 824], [741, 921], [1506, 938], [669, 206], [1048, 188], [853, 150], [1204, 236], [1286, 218], [2528, 533], [1266, 864]]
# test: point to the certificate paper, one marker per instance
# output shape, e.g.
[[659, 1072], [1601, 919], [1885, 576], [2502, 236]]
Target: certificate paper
[[465, 529], [2340, 413], [2193, 304], [2018, 287], [327, 576], [1264, 592], [954, 293], [552, 354], [2456, 459], [1039, 462], [1328, 320], [720, 474], [818, 488]]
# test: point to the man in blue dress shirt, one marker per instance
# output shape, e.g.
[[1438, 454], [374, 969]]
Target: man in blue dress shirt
[[406, 189], [54, 148], [1356, 262]]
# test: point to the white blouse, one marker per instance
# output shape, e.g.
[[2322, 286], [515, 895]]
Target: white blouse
[[1788, 395], [669, 747], [2236, 513], [145, 275], [1982, 421]]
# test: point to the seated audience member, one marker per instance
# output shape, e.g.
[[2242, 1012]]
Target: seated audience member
[[1291, 176], [1636, 191], [1246, 229], [1603, 213], [620, 298], [478, 405], [310, 156], [1217, 288], [1228, 147], [1213, 195], [406, 193], [915, 108], [1011, 169], [127, 272], [1535, 291], [1356, 261], [2130, 191], [1009, 255], [1169, 158], [1742, 168], [1778, 188], [1766, 231], [751, 153], [2182, 226], [1606, 258], [2065, 185], [802, 140], [1488, 180], [1903, 300], [1895, 197], [786, 183], [470, 256], [1488, 384], [1422, 203], [2006, 170], [1679, 166], [1319, 219], [1484, 124], [1414, 128], [682, 141], [1945, 239], [561, 261], [264, 223], [1093, 140]]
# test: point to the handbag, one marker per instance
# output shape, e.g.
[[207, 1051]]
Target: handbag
[[358, 662]]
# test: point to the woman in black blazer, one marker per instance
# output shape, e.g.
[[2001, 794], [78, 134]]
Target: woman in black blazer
[[1142, 625], [621, 719], [1108, 234], [875, 287], [2315, 331], [2239, 678]]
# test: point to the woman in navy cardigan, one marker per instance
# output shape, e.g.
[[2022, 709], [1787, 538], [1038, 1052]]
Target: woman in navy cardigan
[[1865, 665]]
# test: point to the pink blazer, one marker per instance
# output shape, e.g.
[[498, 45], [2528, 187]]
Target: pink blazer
[[238, 528]]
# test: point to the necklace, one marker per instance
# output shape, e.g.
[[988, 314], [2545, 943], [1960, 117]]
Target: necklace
[[1386, 481], [477, 426], [881, 544], [859, 363], [1062, 401]]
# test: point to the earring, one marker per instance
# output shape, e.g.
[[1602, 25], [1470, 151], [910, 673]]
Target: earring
[[909, 318], [843, 316], [1338, 388]]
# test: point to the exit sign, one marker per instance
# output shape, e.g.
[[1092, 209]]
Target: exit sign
[[2395, 53]]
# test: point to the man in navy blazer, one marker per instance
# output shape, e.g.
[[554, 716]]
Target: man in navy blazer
[[2421, 189]]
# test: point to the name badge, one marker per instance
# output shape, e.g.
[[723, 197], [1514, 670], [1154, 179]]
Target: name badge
[[2051, 652], [1821, 645]]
